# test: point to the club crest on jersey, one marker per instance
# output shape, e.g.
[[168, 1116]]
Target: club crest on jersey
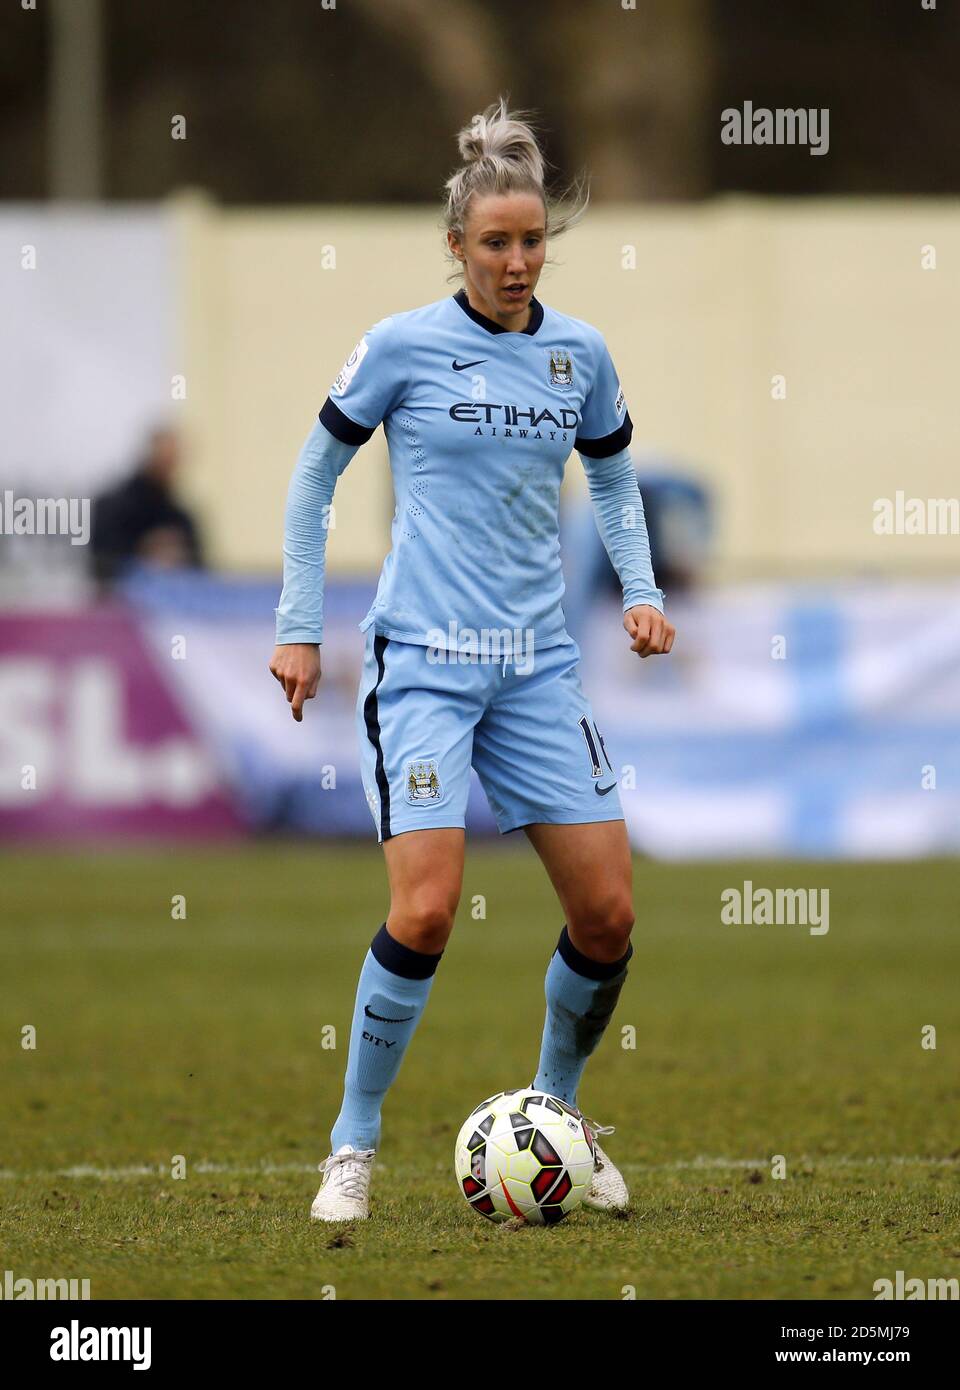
[[422, 782], [561, 369]]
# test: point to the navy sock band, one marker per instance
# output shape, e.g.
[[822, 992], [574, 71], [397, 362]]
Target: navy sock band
[[402, 960], [583, 965]]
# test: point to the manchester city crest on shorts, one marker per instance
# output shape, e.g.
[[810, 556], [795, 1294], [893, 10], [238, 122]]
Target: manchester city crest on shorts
[[561, 369], [422, 782]]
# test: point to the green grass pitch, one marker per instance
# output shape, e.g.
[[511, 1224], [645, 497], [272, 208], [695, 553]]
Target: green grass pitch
[[201, 1037]]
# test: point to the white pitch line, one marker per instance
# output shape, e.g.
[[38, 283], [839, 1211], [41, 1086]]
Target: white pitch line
[[156, 1170], [804, 1160], [265, 1169]]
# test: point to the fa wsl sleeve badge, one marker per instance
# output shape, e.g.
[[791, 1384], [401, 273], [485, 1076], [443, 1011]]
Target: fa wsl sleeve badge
[[348, 371]]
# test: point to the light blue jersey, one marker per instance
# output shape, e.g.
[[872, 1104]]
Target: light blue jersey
[[479, 422]]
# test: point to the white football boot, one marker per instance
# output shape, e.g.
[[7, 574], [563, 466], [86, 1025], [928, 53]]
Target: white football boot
[[345, 1191], [607, 1191]]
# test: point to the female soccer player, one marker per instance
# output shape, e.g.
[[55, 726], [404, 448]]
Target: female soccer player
[[482, 396]]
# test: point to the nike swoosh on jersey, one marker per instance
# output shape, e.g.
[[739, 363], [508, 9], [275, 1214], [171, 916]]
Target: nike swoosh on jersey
[[380, 1018], [462, 366], [602, 791]]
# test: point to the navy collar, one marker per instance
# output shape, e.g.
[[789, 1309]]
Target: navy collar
[[536, 315]]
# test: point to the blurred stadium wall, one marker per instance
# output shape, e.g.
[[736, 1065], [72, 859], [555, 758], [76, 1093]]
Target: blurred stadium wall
[[724, 296], [259, 308]]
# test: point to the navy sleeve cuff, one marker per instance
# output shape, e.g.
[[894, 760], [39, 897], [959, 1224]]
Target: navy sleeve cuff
[[609, 444], [341, 426]]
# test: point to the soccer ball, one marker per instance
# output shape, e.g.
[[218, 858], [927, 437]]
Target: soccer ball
[[524, 1154]]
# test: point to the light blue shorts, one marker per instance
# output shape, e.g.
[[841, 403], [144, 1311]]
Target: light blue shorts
[[424, 719]]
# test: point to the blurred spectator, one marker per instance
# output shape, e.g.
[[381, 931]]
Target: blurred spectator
[[140, 519]]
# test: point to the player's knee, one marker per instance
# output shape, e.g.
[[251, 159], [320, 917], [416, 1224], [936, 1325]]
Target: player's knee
[[604, 926], [424, 924]]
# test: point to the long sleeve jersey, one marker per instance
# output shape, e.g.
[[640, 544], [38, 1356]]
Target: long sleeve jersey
[[479, 422]]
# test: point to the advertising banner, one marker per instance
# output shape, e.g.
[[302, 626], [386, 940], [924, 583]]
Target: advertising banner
[[94, 740]]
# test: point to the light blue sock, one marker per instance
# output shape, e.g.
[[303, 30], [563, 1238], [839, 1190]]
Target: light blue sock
[[581, 997], [392, 993]]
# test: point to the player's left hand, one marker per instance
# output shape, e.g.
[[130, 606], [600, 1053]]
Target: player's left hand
[[652, 634]]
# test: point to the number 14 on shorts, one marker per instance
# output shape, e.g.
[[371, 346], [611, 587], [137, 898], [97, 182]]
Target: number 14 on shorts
[[595, 746]]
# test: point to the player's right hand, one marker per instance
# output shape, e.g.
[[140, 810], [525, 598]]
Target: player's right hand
[[296, 666]]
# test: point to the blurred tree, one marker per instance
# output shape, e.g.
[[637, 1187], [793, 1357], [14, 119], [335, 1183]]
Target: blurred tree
[[293, 102], [635, 86], [887, 70], [437, 50]]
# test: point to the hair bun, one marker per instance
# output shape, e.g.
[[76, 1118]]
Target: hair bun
[[501, 154], [504, 136], [472, 140]]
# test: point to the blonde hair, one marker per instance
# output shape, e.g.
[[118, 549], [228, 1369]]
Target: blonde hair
[[501, 154]]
